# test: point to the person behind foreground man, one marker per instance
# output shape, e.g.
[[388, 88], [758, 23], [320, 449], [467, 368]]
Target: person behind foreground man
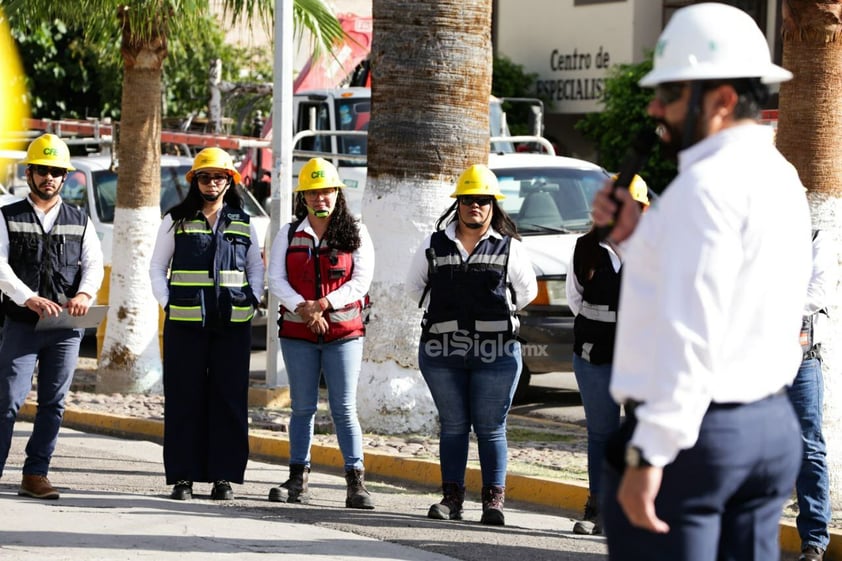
[[50, 262], [472, 275], [320, 269], [215, 282], [807, 395], [706, 342], [593, 291]]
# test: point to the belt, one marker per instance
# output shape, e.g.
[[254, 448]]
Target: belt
[[631, 405]]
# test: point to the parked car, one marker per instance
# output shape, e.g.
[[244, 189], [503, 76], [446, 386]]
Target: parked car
[[549, 198]]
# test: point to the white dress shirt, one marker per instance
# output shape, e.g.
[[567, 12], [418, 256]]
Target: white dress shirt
[[92, 271], [159, 264], [353, 290], [520, 272], [713, 289]]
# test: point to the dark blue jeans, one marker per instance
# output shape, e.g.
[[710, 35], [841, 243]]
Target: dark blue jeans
[[602, 414], [812, 485], [472, 390], [56, 352], [723, 497]]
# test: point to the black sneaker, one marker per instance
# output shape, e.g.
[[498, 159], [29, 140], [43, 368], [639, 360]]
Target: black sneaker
[[182, 491], [222, 491]]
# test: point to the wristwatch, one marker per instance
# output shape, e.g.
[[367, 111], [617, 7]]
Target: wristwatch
[[634, 457]]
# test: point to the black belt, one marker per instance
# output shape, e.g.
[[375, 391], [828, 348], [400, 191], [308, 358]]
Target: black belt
[[631, 405]]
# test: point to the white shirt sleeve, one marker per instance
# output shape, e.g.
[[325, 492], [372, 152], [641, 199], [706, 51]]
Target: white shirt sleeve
[[278, 283], [254, 264], [416, 277], [357, 286], [159, 264], [824, 277], [92, 262], [572, 287], [521, 274]]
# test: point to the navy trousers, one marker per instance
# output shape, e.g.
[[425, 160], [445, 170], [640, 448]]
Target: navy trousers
[[206, 380], [723, 497]]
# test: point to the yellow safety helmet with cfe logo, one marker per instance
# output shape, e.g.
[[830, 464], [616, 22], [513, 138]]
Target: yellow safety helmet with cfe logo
[[478, 180], [48, 150], [318, 173], [216, 158]]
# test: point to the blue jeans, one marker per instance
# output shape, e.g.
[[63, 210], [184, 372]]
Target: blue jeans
[[602, 414], [57, 352], [340, 362], [471, 391], [812, 486]]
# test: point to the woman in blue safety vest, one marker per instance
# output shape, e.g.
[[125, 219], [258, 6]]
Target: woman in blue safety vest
[[320, 269], [472, 275], [207, 273], [593, 292]]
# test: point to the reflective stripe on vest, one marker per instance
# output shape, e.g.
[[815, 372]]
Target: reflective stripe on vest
[[598, 312], [190, 278], [185, 313], [232, 279], [240, 314], [238, 229]]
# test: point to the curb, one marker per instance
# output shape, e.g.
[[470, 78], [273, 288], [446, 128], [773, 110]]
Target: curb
[[563, 495]]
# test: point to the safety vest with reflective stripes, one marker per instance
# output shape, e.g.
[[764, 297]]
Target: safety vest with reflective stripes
[[595, 325], [469, 298], [313, 272], [208, 281], [48, 263]]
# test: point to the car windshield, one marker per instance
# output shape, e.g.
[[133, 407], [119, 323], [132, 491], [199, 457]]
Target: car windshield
[[173, 190], [549, 200]]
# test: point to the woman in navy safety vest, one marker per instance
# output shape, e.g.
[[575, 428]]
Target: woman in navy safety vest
[[214, 286], [472, 275], [593, 292], [320, 269]]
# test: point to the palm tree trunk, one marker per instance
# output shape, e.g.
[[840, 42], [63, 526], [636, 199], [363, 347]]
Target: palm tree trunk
[[130, 360], [810, 136], [430, 92]]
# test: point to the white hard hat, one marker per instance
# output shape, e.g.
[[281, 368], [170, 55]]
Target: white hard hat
[[710, 42]]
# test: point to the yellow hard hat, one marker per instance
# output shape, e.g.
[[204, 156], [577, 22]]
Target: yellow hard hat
[[478, 180], [318, 173], [48, 150], [214, 158], [13, 93], [638, 189]]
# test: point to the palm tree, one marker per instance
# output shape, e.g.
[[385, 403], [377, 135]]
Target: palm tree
[[431, 84], [810, 136], [130, 360]]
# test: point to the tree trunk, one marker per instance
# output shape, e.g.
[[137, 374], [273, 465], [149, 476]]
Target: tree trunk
[[431, 64], [130, 359], [810, 136]]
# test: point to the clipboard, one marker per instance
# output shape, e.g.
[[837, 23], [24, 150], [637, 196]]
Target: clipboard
[[64, 320]]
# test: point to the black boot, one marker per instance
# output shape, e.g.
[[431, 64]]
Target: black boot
[[296, 489], [493, 497], [590, 524], [358, 496], [450, 507]]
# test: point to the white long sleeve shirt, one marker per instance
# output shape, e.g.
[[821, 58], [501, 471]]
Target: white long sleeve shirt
[[520, 271], [822, 282], [353, 290], [713, 289], [159, 264], [92, 261], [574, 289]]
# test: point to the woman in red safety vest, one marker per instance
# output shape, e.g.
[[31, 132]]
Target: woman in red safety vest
[[320, 268]]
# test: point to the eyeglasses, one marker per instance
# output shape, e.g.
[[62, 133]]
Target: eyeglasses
[[316, 193], [44, 170], [469, 200], [205, 178], [669, 92]]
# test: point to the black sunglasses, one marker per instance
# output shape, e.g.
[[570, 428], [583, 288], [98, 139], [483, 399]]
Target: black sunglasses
[[469, 200], [44, 170], [669, 92]]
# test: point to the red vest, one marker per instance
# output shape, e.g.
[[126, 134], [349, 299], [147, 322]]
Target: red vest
[[315, 272]]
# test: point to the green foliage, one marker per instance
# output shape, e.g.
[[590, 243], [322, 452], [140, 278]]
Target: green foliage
[[510, 80], [623, 117]]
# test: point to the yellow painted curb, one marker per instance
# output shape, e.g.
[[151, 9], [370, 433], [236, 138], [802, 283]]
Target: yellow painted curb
[[564, 495]]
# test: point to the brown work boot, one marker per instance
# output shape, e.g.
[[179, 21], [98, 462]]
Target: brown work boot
[[37, 487], [450, 507], [357, 495], [811, 553], [296, 489], [590, 525], [493, 497]]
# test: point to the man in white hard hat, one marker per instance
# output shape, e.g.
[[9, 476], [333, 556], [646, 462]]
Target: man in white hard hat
[[714, 284]]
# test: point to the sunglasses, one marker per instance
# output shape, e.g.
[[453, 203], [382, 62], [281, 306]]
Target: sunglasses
[[469, 200], [45, 170], [669, 92], [205, 178]]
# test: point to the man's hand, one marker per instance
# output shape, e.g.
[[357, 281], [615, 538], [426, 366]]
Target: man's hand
[[604, 209], [636, 496], [79, 304], [43, 306], [318, 326]]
